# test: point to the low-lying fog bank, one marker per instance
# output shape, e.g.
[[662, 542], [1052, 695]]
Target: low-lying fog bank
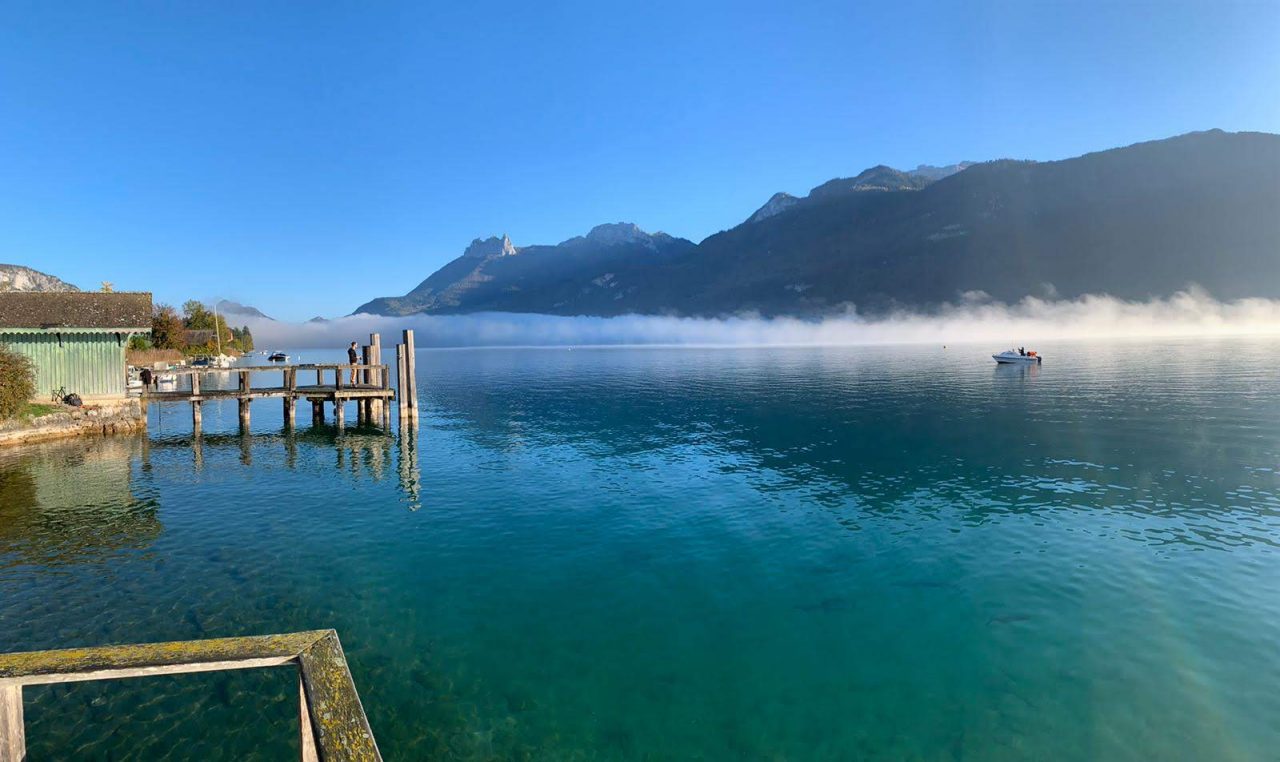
[[1187, 313]]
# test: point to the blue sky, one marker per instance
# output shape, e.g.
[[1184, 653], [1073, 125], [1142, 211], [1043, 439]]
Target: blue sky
[[305, 157]]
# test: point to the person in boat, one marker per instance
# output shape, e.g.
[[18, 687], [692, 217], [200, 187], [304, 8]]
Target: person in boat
[[1022, 351], [354, 358]]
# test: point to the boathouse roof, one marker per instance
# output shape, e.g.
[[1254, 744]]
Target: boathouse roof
[[30, 311]]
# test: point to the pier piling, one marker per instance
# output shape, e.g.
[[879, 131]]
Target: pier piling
[[409, 391]]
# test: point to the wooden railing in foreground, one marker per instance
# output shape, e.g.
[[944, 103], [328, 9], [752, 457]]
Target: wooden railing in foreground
[[333, 724]]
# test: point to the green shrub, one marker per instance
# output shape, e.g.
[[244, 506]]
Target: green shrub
[[17, 382]]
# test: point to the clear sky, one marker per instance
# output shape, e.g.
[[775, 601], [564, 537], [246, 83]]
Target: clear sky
[[306, 157]]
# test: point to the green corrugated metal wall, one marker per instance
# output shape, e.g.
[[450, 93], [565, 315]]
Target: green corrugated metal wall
[[89, 364]]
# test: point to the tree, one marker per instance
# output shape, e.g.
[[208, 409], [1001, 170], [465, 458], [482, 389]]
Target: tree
[[201, 319], [242, 339], [108, 287], [167, 329], [17, 382], [197, 317]]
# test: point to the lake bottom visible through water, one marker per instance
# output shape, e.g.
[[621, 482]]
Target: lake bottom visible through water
[[688, 553]]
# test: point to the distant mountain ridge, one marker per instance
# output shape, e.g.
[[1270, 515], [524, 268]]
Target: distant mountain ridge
[[22, 278], [228, 307], [1137, 222], [494, 274]]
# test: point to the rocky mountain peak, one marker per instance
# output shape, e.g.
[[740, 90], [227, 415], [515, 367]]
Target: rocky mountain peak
[[617, 233], [613, 233], [21, 278], [490, 247], [934, 174], [878, 178], [778, 202]]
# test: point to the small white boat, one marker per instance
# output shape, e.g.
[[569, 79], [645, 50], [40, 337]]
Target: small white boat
[[1012, 356]]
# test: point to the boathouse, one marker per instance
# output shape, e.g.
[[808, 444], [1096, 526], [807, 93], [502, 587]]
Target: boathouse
[[76, 341]]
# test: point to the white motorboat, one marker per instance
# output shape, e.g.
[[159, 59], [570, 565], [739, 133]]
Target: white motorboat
[[1013, 356]]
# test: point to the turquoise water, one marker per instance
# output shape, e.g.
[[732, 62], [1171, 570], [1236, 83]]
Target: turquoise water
[[804, 554]]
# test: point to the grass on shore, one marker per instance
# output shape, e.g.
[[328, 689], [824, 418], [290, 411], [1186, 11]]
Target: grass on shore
[[33, 410], [37, 410]]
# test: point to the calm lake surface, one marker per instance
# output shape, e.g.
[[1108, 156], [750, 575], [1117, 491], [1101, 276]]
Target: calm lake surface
[[804, 554]]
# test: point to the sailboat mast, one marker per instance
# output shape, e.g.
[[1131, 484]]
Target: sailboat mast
[[217, 332]]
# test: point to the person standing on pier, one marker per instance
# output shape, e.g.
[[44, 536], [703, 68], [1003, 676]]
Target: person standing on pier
[[354, 357]]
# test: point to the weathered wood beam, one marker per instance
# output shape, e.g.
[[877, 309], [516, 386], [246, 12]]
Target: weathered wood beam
[[306, 735], [337, 717], [411, 377], [32, 667], [13, 733], [291, 398], [379, 373], [402, 393]]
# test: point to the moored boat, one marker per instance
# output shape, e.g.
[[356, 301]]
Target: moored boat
[[1011, 356]]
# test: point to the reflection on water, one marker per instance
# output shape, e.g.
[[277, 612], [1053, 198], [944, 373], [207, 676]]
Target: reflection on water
[[871, 553], [50, 518]]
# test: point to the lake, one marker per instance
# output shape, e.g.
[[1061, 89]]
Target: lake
[[656, 553]]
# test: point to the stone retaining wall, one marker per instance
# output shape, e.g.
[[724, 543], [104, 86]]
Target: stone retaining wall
[[95, 418]]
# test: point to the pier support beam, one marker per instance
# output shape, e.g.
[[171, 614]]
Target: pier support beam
[[290, 399], [339, 413], [244, 414], [411, 373], [402, 404], [364, 407], [376, 406], [13, 738], [197, 417], [317, 412], [308, 734]]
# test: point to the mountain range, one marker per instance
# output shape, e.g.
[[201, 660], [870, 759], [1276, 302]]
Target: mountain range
[[1136, 222], [21, 278]]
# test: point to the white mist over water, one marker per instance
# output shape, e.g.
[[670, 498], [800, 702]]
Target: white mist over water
[[1187, 313]]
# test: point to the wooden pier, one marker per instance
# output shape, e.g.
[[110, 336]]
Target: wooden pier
[[332, 725], [368, 384]]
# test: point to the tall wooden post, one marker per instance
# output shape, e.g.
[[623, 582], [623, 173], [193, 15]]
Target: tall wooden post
[[244, 401], [364, 406], [411, 374], [339, 413], [290, 397], [375, 343], [383, 406], [197, 417], [402, 403], [317, 412], [13, 735]]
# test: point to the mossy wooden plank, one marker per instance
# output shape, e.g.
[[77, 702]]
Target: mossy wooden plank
[[337, 717], [70, 661]]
